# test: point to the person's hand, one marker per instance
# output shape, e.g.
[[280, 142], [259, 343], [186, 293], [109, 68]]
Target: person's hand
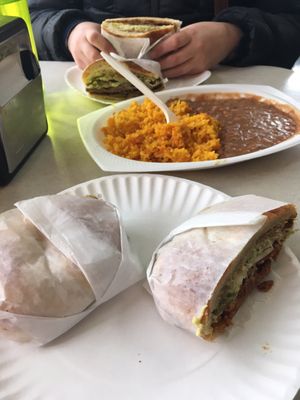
[[85, 43], [195, 48]]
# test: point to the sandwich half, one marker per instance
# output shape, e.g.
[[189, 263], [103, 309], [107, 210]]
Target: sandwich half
[[200, 276], [101, 79], [141, 27]]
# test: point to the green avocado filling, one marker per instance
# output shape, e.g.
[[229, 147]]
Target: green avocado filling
[[263, 247], [137, 28], [117, 81]]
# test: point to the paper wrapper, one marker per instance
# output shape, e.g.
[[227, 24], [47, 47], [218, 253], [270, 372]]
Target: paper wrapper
[[149, 65], [238, 219], [109, 269], [132, 47], [135, 50]]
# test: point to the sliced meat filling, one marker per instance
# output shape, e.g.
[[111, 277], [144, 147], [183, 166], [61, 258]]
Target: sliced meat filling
[[249, 276]]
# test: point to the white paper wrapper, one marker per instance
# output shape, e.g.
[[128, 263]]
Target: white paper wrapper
[[108, 268], [238, 219], [135, 50], [132, 47], [149, 65], [226, 216]]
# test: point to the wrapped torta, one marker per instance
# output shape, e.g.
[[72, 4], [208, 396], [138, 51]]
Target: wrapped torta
[[60, 257], [141, 27], [133, 37], [202, 272]]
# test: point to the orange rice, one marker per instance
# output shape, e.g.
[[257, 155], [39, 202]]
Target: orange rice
[[141, 133]]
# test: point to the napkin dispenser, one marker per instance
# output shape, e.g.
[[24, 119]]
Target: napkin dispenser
[[23, 120]]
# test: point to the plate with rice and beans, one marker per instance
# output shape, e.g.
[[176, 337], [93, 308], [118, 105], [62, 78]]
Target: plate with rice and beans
[[217, 125]]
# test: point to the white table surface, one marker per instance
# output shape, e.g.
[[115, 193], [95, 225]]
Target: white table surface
[[60, 161]]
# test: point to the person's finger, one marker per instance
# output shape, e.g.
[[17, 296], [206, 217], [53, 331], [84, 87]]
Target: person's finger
[[86, 54], [170, 44], [79, 61], [79, 57], [90, 53], [179, 57], [187, 68], [98, 41]]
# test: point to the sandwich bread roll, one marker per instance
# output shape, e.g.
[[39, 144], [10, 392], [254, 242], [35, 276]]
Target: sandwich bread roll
[[141, 27], [101, 79], [201, 274]]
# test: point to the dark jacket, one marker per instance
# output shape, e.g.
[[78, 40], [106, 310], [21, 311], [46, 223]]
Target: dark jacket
[[271, 27]]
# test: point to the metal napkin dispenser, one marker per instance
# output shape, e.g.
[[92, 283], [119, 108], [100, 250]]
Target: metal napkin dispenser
[[23, 120]]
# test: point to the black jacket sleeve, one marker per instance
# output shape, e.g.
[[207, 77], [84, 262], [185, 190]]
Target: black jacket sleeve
[[51, 22], [271, 36], [271, 32]]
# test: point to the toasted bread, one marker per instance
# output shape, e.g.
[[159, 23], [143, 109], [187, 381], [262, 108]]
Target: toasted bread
[[141, 27], [101, 79]]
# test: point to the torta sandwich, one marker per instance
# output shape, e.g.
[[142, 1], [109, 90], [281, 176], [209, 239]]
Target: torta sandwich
[[101, 79], [39, 280], [201, 274], [141, 27]]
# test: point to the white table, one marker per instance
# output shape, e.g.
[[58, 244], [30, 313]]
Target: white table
[[60, 161]]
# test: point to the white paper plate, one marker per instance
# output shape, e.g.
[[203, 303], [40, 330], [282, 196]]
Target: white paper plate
[[124, 350], [90, 131], [74, 81]]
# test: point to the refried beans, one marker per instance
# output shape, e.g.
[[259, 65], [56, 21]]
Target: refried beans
[[248, 122]]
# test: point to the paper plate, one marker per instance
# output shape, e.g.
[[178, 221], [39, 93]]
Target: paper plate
[[74, 81], [125, 350]]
